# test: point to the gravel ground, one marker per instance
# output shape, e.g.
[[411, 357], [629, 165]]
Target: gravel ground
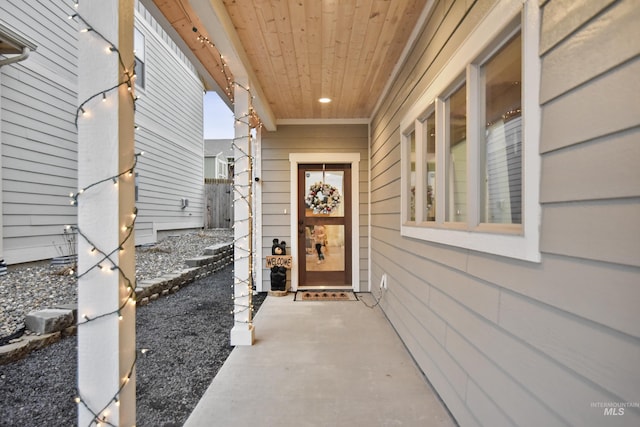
[[33, 287], [187, 334]]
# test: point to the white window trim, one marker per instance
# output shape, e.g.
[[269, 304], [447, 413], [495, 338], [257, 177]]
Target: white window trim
[[526, 244], [140, 55], [354, 160]]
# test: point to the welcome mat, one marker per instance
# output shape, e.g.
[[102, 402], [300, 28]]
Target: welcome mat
[[325, 296]]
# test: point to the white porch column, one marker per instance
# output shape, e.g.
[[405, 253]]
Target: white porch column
[[106, 311], [257, 210], [243, 331], [3, 265]]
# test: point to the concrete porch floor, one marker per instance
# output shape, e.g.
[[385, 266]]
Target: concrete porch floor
[[320, 364]]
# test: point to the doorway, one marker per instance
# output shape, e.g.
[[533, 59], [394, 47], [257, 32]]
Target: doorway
[[324, 225]]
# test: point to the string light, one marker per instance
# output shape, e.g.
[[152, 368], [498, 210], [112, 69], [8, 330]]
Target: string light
[[220, 62], [127, 76], [106, 263], [100, 416], [104, 258], [243, 301]]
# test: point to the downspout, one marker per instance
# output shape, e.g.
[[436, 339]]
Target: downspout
[[21, 57], [6, 61]]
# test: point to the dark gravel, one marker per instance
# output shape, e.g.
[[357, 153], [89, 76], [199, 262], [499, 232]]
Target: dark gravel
[[187, 334]]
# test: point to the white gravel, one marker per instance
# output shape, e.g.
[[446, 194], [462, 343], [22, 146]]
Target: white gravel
[[38, 286]]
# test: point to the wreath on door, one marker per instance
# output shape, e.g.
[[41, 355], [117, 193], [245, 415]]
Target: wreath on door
[[322, 198]]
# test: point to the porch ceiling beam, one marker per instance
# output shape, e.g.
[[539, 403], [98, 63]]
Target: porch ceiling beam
[[216, 21], [209, 82]]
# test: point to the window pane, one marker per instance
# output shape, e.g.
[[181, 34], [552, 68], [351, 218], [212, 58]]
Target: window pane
[[457, 150], [325, 196], [325, 248], [430, 159], [139, 51], [412, 176], [138, 70], [501, 196]]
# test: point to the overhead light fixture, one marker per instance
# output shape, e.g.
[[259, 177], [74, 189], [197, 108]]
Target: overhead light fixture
[[324, 100]]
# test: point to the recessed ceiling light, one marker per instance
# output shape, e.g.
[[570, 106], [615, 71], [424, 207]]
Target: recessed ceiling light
[[324, 100]]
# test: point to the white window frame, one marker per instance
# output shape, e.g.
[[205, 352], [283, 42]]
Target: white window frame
[[139, 49], [520, 241], [222, 167]]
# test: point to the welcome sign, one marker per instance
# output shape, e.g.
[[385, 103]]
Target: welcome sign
[[285, 261]]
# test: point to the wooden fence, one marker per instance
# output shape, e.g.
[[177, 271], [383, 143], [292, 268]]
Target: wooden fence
[[219, 203]]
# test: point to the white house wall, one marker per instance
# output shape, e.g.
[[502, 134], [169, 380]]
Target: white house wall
[[508, 342], [38, 102], [169, 116], [39, 142]]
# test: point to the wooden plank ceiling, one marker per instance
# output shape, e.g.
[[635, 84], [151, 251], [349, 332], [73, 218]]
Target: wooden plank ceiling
[[303, 50]]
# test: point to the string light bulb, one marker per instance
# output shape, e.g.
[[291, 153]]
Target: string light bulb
[[105, 262]]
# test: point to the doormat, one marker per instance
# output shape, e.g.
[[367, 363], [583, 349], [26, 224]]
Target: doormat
[[325, 296]]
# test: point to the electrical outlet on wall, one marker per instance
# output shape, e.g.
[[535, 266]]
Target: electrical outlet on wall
[[383, 281]]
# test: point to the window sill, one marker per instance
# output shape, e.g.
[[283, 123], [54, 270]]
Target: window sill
[[503, 240]]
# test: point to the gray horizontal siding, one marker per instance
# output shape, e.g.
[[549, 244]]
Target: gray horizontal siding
[[603, 168], [600, 44], [39, 140], [611, 91], [169, 114], [508, 342], [37, 108], [46, 24]]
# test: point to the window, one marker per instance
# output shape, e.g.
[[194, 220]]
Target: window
[[456, 151], [222, 167], [412, 175], [137, 186], [501, 141], [471, 169], [429, 138], [139, 51]]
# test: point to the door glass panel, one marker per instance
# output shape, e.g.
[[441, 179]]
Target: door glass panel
[[324, 193], [325, 247]]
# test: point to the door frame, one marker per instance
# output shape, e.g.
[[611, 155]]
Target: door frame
[[328, 158], [340, 279]]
